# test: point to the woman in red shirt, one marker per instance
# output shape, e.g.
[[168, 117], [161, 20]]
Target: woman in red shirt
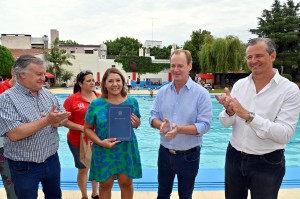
[[77, 104]]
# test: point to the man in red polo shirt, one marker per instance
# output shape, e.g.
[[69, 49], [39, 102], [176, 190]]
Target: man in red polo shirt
[[7, 84]]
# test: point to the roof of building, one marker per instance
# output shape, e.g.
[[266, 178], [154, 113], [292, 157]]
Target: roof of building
[[18, 52], [79, 45]]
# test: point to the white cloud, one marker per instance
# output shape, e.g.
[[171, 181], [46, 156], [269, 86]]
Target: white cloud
[[95, 21]]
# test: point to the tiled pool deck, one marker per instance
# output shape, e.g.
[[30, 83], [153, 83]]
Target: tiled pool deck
[[209, 182]]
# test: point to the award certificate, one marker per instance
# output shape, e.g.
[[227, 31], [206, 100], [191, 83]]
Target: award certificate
[[119, 124]]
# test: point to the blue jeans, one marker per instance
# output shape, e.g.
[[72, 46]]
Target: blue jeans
[[261, 174], [27, 176], [185, 166]]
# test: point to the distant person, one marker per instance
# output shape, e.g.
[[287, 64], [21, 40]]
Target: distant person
[[128, 84], [196, 78], [77, 104], [112, 159], [200, 81], [68, 83], [151, 92], [138, 82], [29, 117], [263, 111], [4, 167], [182, 112]]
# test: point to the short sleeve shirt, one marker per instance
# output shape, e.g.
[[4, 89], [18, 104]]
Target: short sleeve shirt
[[18, 107], [77, 106]]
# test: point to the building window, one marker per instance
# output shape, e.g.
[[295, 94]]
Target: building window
[[88, 52], [113, 66]]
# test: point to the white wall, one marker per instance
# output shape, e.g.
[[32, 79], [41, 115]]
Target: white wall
[[93, 63], [16, 41]]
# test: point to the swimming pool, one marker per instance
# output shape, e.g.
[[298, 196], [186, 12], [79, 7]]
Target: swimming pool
[[214, 142]]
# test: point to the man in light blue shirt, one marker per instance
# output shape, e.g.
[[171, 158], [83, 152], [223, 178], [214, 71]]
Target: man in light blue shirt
[[182, 112]]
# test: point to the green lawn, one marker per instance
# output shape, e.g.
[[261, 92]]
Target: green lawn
[[218, 90]]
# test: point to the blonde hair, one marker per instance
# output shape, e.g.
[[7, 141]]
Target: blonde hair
[[187, 55]]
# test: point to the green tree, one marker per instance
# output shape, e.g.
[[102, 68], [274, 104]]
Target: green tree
[[205, 56], [194, 46], [222, 55], [67, 42], [123, 46], [281, 23], [6, 61], [66, 75], [161, 53], [236, 53], [140, 64], [57, 57]]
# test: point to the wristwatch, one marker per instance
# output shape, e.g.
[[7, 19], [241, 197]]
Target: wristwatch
[[252, 115]]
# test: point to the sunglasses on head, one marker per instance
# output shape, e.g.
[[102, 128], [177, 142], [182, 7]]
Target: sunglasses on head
[[84, 72]]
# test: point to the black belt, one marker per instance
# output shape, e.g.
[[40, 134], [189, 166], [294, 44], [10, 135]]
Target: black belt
[[181, 152], [247, 154]]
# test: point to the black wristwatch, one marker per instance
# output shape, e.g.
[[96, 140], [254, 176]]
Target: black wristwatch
[[252, 115]]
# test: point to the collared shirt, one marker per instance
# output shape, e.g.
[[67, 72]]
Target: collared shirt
[[276, 108], [18, 107], [191, 106]]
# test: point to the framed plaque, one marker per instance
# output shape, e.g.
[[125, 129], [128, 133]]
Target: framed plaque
[[119, 124]]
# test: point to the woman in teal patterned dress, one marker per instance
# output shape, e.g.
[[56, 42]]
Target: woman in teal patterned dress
[[112, 159]]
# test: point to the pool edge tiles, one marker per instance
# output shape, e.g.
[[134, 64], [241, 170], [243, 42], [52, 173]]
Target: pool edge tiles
[[207, 180]]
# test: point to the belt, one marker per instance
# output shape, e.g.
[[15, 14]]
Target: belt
[[247, 154], [175, 152]]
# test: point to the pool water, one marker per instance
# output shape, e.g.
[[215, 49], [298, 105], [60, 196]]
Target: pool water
[[214, 142]]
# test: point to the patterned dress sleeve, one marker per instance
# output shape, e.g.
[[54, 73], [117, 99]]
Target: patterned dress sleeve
[[90, 114]]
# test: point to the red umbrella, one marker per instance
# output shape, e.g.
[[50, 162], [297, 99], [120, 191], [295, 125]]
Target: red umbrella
[[206, 76], [49, 75]]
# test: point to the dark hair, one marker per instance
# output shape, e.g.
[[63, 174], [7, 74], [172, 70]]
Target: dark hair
[[271, 46], [103, 82], [23, 62], [186, 52], [80, 78]]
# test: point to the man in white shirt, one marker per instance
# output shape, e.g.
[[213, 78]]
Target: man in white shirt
[[263, 110]]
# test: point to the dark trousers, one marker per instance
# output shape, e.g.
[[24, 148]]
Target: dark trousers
[[261, 174], [185, 166], [27, 176]]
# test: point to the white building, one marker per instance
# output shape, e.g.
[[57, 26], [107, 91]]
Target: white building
[[88, 57], [152, 43], [24, 41], [99, 66]]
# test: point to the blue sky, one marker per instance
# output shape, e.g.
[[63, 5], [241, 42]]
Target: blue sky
[[95, 21]]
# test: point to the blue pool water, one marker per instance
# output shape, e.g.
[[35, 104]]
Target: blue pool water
[[214, 142]]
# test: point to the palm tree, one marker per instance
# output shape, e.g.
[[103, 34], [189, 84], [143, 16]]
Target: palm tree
[[57, 57]]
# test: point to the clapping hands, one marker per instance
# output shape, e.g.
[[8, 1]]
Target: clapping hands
[[164, 128]]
